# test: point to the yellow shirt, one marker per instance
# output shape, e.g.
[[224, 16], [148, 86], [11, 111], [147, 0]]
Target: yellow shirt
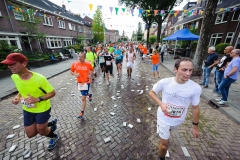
[[33, 87]]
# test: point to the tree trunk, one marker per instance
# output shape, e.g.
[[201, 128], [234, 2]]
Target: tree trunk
[[159, 29], [205, 32], [148, 28]]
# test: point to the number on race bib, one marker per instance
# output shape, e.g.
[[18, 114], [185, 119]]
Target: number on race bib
[[174, 111], [108, 63], [27, 105], [82, 86]]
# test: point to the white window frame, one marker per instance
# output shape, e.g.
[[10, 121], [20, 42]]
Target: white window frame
[[18, 15], [67, 42], [47, 21], [61, 24], [227, 36], [70, 26], [11, 38], [215, 36], [223, 14], [80, 29], [54, 42], [73, 27], [234, 15]]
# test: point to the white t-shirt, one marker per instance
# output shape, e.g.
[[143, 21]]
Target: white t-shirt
[[130, 56], [178, 97]]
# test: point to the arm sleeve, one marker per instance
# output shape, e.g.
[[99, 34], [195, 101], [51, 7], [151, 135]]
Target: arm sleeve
[[45, 85], [196, 96], [73, 67], [158, 86]]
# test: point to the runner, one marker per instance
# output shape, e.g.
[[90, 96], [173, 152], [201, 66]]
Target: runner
[[130, 57], [155, 63], [101, 60], [144, 51], [108, 65], [118, 55], [177, 94], [82, 71], [34, 93], [91, 57]]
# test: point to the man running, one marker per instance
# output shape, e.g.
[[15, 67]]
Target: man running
[[82, 71], [177, 94], [130, 57], [101, 60], [91, 57], [108, 65], [34, 93], [118, 55]]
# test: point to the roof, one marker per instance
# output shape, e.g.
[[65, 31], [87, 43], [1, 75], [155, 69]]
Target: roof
[[51, 8], [224, 4], [183, 34]]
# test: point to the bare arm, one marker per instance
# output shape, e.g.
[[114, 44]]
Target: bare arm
[[153, 95], [195, 116], [30, 99], [214, 64], [234, 69]]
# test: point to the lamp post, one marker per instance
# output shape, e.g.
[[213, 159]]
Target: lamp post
[[104, 41]]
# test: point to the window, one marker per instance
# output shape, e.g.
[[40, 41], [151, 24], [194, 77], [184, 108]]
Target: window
[[18, 15], [219, 1], [236, 15], [229, 37], [73, 27], [47, 21], [196, 26], [222, 17], [80, 29], [54, 42], [61, 24], [12, 40], [67, 42], [70, 26], [215, 39]]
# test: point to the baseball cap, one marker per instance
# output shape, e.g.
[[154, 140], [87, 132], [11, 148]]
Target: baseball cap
[[13, 58]]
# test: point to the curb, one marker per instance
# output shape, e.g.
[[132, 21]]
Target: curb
[[14, 92], [221, 108]]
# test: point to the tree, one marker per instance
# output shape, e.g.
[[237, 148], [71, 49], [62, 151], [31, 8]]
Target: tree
[[98, 27], [152, 5], [139, 32], [152, 39], [205, 32]]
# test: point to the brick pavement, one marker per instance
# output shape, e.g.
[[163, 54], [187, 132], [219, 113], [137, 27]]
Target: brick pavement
[[219, 139]]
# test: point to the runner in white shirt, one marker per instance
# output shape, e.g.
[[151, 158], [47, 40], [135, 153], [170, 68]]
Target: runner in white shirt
[[130, 57], [177, 94]]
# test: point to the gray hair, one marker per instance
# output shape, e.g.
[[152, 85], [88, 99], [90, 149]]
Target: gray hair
[[212, 48], [237, 51]]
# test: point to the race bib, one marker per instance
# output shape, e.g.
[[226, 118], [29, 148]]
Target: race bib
[[108, 63], [82, 86], [27, 105], [174, 111]]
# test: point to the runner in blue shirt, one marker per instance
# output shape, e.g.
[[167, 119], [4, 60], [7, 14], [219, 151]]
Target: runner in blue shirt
[[118, 55]]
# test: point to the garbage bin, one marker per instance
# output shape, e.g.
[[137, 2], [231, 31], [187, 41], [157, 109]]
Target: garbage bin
[[188, 52]]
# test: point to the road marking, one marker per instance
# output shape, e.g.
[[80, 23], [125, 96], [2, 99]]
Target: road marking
[[185, 151]]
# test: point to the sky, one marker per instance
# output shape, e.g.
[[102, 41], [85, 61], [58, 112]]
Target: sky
[[112, 21]]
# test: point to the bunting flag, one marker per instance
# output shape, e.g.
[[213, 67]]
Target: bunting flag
[[221, 9], [123, 9], [116, 9], [132, 11], [148, 11], [155, 12], [162, 12], [90, 6], [111, 9], [140, 12]]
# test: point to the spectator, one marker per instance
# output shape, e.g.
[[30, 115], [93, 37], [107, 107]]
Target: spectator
[[219, 72], [163, 49], [209, 63], [230, 76]]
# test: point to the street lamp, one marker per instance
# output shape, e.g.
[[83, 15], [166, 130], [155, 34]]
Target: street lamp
[[104, 41]]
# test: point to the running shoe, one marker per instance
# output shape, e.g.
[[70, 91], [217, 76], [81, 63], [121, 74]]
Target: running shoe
[[53, 142]]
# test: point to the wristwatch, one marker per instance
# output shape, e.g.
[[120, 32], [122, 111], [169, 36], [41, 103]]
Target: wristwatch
[[40, 99], [195, 123]]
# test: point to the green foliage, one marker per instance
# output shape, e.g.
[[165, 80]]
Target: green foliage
[[220, 47], [5, 49], [80, 39], [98, 27], [76, 47], [152, 39], [194, 45]]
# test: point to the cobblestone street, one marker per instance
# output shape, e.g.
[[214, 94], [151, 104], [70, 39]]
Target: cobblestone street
[[84, 139]]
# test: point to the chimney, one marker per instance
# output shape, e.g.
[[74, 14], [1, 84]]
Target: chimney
[[64, 7]]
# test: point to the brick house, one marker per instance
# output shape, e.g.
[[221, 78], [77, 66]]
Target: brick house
[[113, 36], [60, 26], [226, 26]]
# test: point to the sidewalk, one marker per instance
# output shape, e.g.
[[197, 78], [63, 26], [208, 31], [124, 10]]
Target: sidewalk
[[7, 86], [233, 108]]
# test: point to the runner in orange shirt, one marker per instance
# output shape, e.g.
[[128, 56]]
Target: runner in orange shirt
[[145, 51], [82, 71], [155, 63]]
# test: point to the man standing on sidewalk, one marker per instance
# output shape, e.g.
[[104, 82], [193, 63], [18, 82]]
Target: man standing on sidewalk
[[34, 93], [163, 49], [208, 66], [218, 74], [177, 94], [82, 71], [230, 76]]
